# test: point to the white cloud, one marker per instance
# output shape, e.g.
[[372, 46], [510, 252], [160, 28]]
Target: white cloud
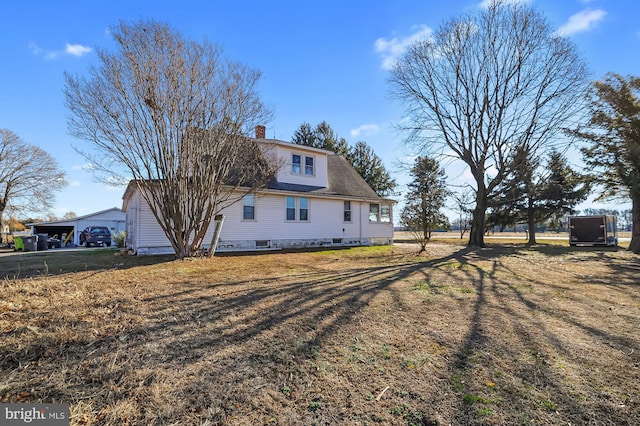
[[392, 49], [77, 49], [366, 129], [75, 183], [70, 49], [581, 21], [38, 51], [34, 48]]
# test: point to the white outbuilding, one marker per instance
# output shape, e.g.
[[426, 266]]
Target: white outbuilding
[[114, 219]]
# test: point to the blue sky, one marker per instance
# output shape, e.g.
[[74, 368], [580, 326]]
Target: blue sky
[[321, 60]]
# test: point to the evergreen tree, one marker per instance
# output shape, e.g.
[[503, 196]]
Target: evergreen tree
[[304, 135], [370, 167], [511, 205], [322, 137], [563, 190], [327, 139], [425, 198], [613, 130], [361, 155], [530, 196]]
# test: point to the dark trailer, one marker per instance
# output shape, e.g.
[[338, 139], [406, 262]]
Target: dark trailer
[[600, 230]]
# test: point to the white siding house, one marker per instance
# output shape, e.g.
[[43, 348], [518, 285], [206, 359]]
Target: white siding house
[[317, 199]]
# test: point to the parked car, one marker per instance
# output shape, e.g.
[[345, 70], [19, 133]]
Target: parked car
[[95, 235], [54, 242]]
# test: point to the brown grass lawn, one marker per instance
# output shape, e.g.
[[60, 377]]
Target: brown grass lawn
[[507, 335]]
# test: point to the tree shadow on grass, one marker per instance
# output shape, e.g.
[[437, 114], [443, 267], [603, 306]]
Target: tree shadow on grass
[[211, 347], [550, 369], [254, 348]]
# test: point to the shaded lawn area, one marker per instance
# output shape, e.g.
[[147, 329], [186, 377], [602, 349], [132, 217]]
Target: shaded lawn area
[[502, 335], [16, 265]]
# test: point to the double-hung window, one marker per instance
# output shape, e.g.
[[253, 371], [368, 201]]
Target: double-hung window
[[249, 207], [308, 166], [303, 215], [347, 211], [296, 164], [291, 208], [297, 209]]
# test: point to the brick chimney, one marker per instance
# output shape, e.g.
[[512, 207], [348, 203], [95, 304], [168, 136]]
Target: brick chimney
[[260, 132]]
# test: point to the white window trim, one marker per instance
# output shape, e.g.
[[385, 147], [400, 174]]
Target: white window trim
[[303, 165], [313, 166], [379, 214], [300, 164], [286, 209], [344, 210], [254, 209], [297, 209]]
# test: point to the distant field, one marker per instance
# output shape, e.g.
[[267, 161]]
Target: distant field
[[515, 237], [506, 335]]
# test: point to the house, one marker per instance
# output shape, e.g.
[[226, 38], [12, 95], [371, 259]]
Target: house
[[112, 218], [317, 199]]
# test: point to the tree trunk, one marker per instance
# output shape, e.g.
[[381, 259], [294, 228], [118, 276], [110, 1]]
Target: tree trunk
[[531, 223], [634, 245], [476, 236]]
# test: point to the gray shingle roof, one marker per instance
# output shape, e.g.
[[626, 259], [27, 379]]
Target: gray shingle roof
[[345, 180]]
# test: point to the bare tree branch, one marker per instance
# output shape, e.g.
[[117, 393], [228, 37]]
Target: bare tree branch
[[29, 176], [486, 85], [173, 115]]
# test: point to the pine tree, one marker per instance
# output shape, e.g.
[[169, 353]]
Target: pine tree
[[361, 156], [425, 198], [613, 131], [531, 195], [322, 137], [370, 167]]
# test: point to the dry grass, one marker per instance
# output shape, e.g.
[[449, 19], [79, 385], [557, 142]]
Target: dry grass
[[502, 335]]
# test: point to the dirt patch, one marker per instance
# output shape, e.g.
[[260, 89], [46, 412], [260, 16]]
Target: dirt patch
[[502, 335]]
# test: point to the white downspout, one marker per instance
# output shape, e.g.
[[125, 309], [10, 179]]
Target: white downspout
[[360, 223]]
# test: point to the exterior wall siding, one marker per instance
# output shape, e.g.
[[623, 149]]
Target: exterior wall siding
[[270, 229]]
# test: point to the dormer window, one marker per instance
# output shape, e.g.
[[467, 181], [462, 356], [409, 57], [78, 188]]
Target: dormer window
[[297, 165], [308, 166]]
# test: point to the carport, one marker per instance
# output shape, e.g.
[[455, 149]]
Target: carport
[[114, 219]]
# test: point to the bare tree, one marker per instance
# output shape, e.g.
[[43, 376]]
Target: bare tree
[[485, 85], [29, 176], [173, 115], [463, 207]]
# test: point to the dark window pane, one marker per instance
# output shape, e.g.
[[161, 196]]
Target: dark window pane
[[295, 164], [308, 165]]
